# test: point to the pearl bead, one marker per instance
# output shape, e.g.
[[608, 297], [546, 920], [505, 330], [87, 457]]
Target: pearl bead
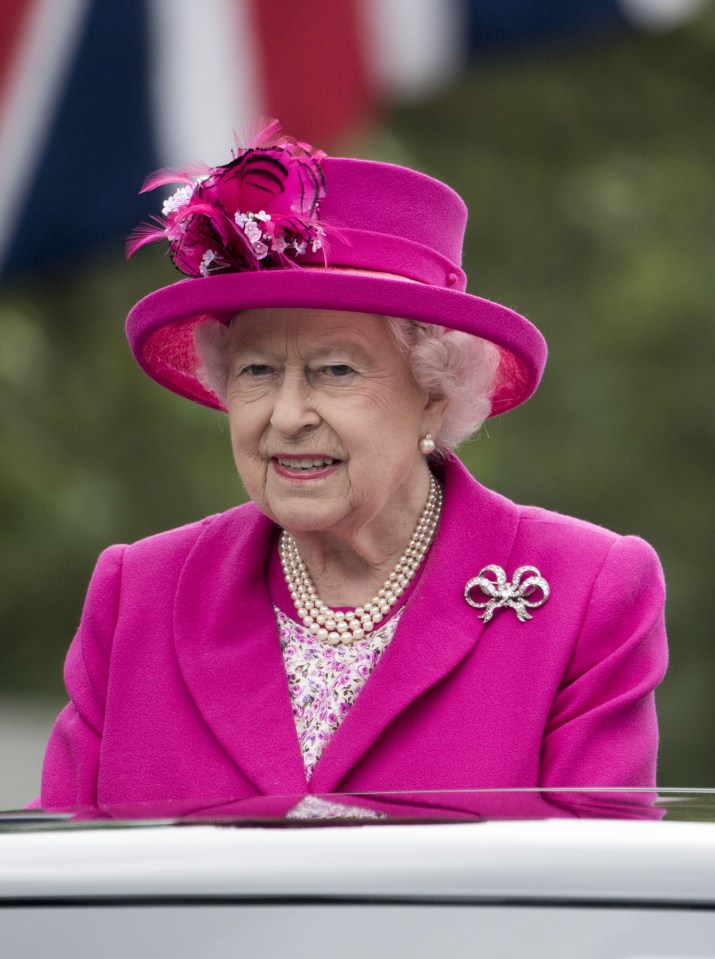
[[322, 633]]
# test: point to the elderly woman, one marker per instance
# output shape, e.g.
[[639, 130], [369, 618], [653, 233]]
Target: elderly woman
[[373, 619]]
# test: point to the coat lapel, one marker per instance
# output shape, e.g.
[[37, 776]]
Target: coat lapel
[[437, 629], [228, 651]]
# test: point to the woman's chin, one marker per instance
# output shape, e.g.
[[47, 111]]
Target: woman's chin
[[300, 523], [306, 509]]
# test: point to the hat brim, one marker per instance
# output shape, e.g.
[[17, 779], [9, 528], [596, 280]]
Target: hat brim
[[160, 327]]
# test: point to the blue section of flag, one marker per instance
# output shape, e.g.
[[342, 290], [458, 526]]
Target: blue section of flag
[[499, 23], [99, 148]]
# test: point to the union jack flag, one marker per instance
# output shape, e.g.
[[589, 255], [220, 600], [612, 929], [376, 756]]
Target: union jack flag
[[95, 94]]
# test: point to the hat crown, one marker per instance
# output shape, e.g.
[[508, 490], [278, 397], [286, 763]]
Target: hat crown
[[381, 198], [389, 219]]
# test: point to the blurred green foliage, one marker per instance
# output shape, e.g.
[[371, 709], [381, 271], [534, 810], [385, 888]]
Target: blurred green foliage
[[588, 171]]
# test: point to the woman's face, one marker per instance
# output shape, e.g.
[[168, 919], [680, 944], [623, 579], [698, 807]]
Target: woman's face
[[325, 419]]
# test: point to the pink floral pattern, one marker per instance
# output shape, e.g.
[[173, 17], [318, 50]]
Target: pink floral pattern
[[314, 807], [324, 681]]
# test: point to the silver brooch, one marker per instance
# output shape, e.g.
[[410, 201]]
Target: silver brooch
[[503, 593]]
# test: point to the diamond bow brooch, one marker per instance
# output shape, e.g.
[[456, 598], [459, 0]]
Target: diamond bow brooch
[[493, 582]]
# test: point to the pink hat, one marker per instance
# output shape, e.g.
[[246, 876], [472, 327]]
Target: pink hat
[[282, 225]]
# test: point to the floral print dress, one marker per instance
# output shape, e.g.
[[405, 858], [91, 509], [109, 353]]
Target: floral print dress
[[324, 681]]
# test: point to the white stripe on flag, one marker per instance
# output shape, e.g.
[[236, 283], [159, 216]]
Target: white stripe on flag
[[37, 79], [661, 14], [414, 47], [204, 78]]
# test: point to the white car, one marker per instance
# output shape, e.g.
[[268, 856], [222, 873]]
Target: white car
[[506, 875]]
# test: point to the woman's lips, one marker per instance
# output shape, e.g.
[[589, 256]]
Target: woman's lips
[[304, 467]]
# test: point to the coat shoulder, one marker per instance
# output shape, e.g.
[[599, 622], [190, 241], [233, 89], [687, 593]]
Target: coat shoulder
[[190, 532], [579, 541], [175, 544], [540, 536], [545, 521]]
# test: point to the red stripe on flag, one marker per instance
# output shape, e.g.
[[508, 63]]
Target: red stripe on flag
[[14, 15], [313, 71]]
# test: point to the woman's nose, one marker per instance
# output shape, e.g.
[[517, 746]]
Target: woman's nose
[[293, 407]]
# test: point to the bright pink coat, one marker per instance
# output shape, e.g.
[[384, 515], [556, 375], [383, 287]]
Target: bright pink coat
[[178, 690]]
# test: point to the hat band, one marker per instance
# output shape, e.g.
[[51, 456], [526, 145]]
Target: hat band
[[386, 253]]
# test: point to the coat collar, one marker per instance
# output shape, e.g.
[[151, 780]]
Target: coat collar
[[230, 659]]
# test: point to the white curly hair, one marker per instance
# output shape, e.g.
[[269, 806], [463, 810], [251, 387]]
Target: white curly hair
[[446, 363]]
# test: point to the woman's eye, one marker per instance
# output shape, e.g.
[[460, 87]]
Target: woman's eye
[[339, 370], [256, 370]]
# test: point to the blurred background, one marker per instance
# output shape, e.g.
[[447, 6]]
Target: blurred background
[[579, 132]]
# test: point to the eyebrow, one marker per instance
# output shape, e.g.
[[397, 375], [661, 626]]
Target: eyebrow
[[340, 346], [350, 348]]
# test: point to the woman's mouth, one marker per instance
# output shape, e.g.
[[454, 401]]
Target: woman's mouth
[[304, 467]]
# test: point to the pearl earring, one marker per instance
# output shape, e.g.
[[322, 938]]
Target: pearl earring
[[427, 445]]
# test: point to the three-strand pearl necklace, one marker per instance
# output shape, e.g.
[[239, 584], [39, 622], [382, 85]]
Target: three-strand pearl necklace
[[333, 626]]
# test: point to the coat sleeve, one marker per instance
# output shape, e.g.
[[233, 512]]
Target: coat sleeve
[[69, 773], [602, 728]]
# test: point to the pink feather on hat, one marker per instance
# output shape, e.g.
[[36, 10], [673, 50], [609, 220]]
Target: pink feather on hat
[[255, 211]]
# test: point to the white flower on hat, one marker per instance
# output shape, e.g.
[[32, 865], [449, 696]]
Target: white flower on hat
[[206, 261], [177, 200]]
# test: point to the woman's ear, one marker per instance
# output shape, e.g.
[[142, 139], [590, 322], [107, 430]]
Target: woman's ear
[[433, 415]]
